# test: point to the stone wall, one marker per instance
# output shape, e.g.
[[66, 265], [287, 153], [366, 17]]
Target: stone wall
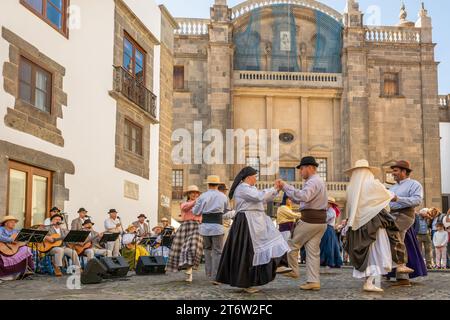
[[23, 116], [126, 23], [191, 103], [166, 114]]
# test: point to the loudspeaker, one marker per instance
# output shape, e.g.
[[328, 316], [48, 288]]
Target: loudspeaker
[[94, 272], [150, 265], [117, 267]]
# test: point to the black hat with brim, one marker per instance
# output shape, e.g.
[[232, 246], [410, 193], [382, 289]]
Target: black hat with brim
[[308, 161], [55, 209], [82, 210], [87, 221], [55, 216]]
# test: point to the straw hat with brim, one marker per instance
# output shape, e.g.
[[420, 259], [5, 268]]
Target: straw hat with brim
[[192, 188], [362, 164], [130, 227], [8, 218], [157, 227], [213, 180], [332, 200]]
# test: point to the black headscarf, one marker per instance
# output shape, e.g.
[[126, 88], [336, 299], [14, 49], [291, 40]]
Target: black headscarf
[[244, 173]]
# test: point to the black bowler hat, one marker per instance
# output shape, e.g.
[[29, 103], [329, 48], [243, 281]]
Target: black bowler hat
[[308, 161], [57, 215], [55, 209], [87, 221], [142, 216], [112, 211], [82, 210]]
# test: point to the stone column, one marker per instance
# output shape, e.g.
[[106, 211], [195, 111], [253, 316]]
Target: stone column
[[220, 52], [430, 114], [168, 24], [355, 95], [304, 130]]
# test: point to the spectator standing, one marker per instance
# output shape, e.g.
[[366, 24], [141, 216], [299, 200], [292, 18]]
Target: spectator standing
[[440, 241], [422, 228]]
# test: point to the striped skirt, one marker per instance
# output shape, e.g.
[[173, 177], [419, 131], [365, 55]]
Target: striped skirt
[[187, 248]]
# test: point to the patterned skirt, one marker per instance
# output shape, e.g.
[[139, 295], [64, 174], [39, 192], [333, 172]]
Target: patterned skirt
[[187, 248]]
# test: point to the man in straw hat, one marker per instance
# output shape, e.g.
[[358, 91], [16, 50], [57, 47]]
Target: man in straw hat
[[212, 205], [310, 228], [408, 195], [21, 263]]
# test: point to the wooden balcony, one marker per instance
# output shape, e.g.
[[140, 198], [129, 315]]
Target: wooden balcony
[[135, 90]]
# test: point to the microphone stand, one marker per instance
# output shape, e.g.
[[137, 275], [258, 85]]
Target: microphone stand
[[135, 249], [121, 227]]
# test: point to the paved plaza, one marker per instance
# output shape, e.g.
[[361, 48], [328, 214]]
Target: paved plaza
[[337, 284]]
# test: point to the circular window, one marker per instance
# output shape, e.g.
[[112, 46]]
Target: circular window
[[286, 137]]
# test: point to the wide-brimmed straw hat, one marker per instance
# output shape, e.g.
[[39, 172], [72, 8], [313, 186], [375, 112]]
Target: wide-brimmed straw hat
[[157, 227], [360, 164], [8, 218], [332, 200], [192, 188], [213, 179]]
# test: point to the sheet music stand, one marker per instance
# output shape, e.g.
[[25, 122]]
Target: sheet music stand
[[109, 237], [34, 237], [31, 236], [76, 237]]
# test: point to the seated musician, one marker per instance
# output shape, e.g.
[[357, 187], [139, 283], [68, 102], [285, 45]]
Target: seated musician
[[60, 251], [143, 228], [132, 250], [158, 249], [20, 264], [94, 238], [166, 224]]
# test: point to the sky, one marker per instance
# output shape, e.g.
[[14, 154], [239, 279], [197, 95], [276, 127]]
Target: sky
[[385, 11]]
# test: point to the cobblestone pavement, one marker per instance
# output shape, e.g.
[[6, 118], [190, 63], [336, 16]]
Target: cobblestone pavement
[[336, 284]]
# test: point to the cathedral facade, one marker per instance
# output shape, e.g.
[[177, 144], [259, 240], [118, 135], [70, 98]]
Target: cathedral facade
[[335, 89]]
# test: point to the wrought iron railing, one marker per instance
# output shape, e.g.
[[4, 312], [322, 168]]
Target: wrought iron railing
[[135, 90]]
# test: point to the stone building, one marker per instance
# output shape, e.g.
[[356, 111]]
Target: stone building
[[335, 89], [83, 103]]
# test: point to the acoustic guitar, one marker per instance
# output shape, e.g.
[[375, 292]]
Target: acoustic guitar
[[79, 248], [46, 246], [10, 249]]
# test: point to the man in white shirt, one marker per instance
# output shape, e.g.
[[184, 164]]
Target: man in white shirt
[[113, 225]]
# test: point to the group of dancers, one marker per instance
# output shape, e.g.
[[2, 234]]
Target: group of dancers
[[379, 222]]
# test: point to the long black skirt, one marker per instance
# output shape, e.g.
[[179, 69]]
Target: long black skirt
[[236, 264]]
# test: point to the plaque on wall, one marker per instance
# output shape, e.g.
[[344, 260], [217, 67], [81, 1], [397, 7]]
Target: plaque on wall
[[285, 43], [131, 190]]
